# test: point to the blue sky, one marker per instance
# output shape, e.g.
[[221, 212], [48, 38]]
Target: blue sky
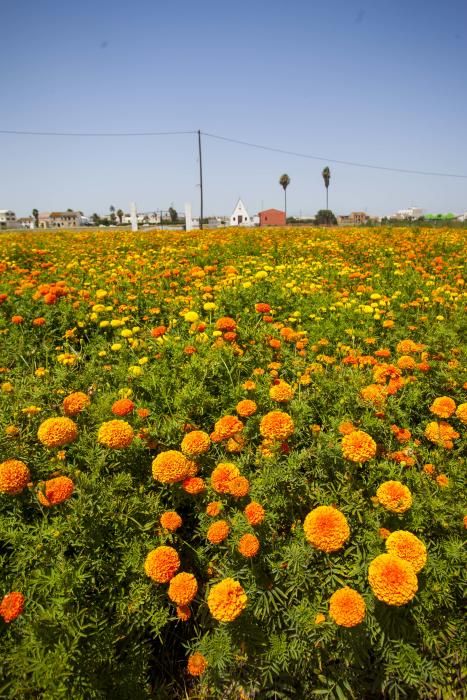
[[380, 81]]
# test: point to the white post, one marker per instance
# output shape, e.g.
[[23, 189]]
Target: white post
[[134, 217], [188, 221]]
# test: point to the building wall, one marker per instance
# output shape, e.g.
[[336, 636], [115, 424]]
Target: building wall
[[272, 217]]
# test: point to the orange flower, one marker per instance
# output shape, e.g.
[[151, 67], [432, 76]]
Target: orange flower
[[254, 513], [12, 606], [392, 579], [407, 347], [195, 443], [227, 600], [239, 486], [281, 392], [193, 485], [394, 496], [143, 412], [169, 467], [405, 545], [326, 528], [225, 324], [227, 426], [406, 362], [429, 469], [75, 403], [222, 475], [461, 412], [197, 664], [56, 491], [57, 432], [320, 618], [218, 532], [358, 447], [214, 508], [246, 408], [441, 434], [276, 425], [374, 394], [443, 407], [123, 407], [183, 613], [347, 607], [162, 564], [262, 308], [17, 320], [14, 476], [346, 427], [170, 520], [159, 331], [182, 588], [384, 533], [248, 546], [249, 385], [442, 480], [116, 434]]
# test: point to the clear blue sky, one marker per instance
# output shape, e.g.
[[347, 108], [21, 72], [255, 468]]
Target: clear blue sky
[[378, 81]]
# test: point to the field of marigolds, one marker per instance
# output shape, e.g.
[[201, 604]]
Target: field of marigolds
[[231, 464]]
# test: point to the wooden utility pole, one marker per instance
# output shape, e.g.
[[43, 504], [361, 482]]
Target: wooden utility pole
[[200, 181]]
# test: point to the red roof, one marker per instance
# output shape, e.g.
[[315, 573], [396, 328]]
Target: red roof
[[268, 211]]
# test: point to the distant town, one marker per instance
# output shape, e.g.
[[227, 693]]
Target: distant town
[[240, 216]]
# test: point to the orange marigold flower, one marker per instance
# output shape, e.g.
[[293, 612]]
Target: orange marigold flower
[[159, 331], [392, 579], [246, 408], [407, 347], [227, 600], [143, 412], [358, 447], [262, 308], [228, 426], [347, 607], [249, 385], [218, 532], [17, 320], [276, 425], [254, 513], [374, 394], [239, 486], [320, 618], [162, 564], [402, 457], [441, 434], [193, 485], [384, 533], [14, 476], [429, 469], [213, 508], [182, 588], [75, 403], [222, 475], [225, 324], [405, 545], [346, 427], [442, 480], [461, 412], [170, 520], [281, 392], [197, 664], [195, 443], [116, 434], [443, 407], [12, 606], [55, 491], [394, 496], [57, 432], [326, 528], [235, 444], [248, 545], [406, 362], [169, 467], [183, 613], [123, 407]]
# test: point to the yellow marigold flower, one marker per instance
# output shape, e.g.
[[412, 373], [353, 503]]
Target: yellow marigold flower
[[405, 545], [441, 434], [170, 466], [218, 532], [222, 475], [358, 447], [195, 443], [326, 528], [12, 431], [443, 407], [7, 387], [248, 545], [254, 513], [320, 618], [116, 434], [75, 403], [31, 410], [182, 588], [276, 425], [170, 520], [57, 432], [162, 564], [239, 486], [55, 491], [392, 579], [228, 426], [191, 316], [197, 664], [246, 408], [347, 607], [227, 600], [14, 476], [394, 496], [461, 413], [281, 392]]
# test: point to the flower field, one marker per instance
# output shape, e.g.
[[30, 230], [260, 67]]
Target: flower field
[[231, 464]]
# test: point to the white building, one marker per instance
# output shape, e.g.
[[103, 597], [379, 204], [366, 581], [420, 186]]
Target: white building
[[462, 217], [410, 213], [240, 216], [7, 219]]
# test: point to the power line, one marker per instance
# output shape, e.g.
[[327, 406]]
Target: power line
[[95, 133]]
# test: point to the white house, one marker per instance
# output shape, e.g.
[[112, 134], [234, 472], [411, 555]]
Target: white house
[[240, 216], [462, 217], [7, 219], [410, 213]]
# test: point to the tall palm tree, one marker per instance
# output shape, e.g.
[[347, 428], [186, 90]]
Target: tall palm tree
[[120, 215], [326, 177], [35, 213], [284, 181]]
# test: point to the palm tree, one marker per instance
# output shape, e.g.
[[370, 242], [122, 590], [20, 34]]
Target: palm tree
[[112, 213], [326, 177], [120, 215], [284, 181], [35, 213]]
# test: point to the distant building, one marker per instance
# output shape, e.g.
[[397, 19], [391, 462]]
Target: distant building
[[356, 218], [240, 216], [59, 219], [7, 219], [272, 217], [26, 222], [462, 217], [410, 213]]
